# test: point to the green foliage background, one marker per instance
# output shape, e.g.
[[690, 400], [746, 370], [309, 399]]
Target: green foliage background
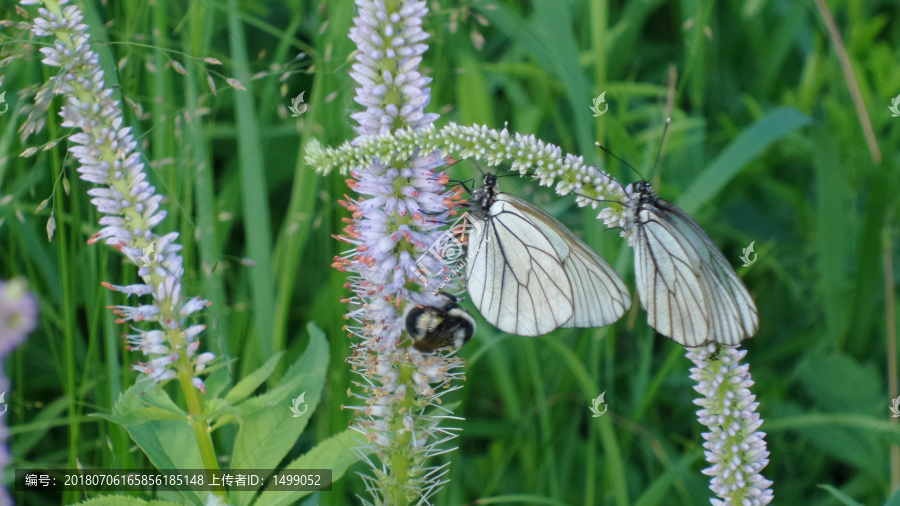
[[765, 145]]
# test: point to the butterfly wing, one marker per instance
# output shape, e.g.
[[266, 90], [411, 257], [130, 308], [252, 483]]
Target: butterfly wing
[[514, 275], [599, 294], [689, 290]]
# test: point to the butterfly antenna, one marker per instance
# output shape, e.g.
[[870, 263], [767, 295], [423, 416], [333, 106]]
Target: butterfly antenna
[[610, 153], [462, 183], [662, 142]]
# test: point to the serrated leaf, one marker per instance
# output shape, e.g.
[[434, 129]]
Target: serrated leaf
[[158, 397], [169, 442], [223, 412], [141, 415], [252, 381], [336, 453], [269, 430], [123, 500]]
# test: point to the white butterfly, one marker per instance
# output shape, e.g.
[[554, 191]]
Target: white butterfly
[[689, 290], [527, 274]]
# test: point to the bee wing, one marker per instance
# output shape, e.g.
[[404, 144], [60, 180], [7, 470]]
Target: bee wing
[[599, 294], [689, 290], [514, 275]]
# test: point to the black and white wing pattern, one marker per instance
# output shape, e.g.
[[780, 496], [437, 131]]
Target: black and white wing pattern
[[689, 290], [600, 296], [514, 275]]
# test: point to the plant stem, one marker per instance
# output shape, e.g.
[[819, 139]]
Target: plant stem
[[599, 41], [68, 317], [850, 77], [891, 342], [201, 428], [400, 457]]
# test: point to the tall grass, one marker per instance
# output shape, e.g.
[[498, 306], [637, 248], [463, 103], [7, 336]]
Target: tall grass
[[765, 145]]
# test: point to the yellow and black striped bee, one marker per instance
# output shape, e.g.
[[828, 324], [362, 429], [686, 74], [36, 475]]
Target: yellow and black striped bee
[[433, 327]]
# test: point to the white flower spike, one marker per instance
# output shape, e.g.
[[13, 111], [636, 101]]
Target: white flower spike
[[734, 446], [105, 151]]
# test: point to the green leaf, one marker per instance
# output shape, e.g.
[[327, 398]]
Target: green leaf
[[855, 390], [835, 203], [475, 104], [37, 428], [548, 37], [159, 398], [223, 412], [749, 144], [269, 429], [553, 25], [167, 439], [253, 380], [866, 424], [254, 189], [894, 500], [123, 500], [658, 491], [140, 415], [336, 453], [840, 496], [614, 461], [521, 499]]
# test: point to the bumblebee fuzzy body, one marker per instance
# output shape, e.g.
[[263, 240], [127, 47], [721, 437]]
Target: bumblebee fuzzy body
[[433, 327]]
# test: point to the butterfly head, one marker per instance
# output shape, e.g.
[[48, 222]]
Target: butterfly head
[[483, 197], [643, 187], [640, 191]]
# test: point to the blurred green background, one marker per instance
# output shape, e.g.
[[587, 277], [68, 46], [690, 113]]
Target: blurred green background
[[767, 144]]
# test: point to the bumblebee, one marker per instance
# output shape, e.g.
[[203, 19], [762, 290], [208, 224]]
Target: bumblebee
[[433, 327]]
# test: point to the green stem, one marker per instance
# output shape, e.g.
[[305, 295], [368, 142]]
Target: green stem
[[400, 457], [198, 421], [61, 237], [599, 18], [185, 369]]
